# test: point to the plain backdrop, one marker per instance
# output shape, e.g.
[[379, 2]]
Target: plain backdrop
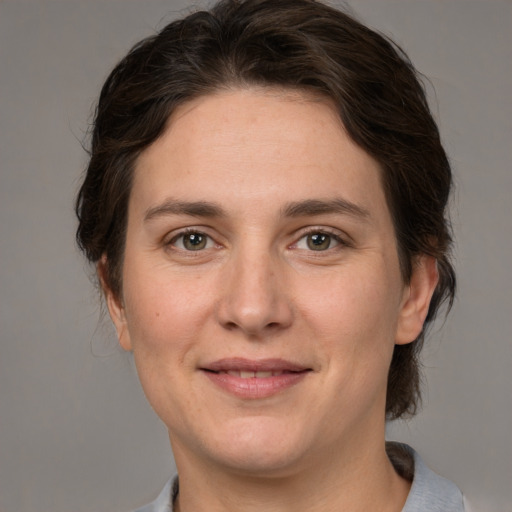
[[76, 433]]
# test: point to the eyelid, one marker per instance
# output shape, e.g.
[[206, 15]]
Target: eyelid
[[170, 239], [340, 237]]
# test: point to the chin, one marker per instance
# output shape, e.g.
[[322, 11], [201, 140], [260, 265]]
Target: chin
[[258, 447], [259, 463]]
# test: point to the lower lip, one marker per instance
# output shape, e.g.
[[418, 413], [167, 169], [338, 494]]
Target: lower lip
[[253, 387]]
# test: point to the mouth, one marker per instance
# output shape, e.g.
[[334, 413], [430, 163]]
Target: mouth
[[251, 379], [243, 374]]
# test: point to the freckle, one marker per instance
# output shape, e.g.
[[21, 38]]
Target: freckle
[[157, 313]]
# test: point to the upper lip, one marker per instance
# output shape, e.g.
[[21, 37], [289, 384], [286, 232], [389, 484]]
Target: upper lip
[[259, 365]]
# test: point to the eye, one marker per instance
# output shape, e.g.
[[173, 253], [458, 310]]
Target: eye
[[192, 241], [318, 241]]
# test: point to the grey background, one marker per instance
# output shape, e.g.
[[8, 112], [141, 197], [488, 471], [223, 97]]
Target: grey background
[[75, 431]]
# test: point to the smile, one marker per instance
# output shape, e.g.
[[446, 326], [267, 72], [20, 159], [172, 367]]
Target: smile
[[253, 375], [254, 379]]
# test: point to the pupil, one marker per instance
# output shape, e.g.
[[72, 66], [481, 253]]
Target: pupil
[[194, 241], [319, 241]]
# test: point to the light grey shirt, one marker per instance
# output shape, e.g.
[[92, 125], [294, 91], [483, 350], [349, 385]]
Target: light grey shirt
[[429, 492]]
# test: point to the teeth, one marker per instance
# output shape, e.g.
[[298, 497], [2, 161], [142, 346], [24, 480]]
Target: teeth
[[262, 375], [252, 375]]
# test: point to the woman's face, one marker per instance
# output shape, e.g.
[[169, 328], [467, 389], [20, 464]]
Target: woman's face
[[262, 295]]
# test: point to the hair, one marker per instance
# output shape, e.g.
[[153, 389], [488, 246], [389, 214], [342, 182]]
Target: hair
[[301, 45]]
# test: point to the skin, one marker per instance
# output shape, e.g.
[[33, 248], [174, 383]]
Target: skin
[[260, 289]]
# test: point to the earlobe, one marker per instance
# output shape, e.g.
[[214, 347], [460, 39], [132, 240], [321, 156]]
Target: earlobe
[[416, 300], [115, 307]]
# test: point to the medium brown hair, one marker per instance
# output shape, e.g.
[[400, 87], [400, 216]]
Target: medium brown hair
[[291, 44]]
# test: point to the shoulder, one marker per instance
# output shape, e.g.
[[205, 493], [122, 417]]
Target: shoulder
[[163, 502], [431, 492]]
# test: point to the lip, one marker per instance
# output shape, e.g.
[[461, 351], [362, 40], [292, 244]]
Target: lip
[[275, 376]]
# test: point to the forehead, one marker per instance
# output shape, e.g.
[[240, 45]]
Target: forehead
[[248, 147]]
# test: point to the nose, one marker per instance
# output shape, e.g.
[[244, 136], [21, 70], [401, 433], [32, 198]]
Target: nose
[[254, 298]]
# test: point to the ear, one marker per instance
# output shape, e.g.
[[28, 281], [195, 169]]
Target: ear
[[416, 299], [115, 306]]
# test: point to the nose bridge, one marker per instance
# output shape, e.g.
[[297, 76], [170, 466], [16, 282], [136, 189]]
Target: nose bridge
[[254, 298]]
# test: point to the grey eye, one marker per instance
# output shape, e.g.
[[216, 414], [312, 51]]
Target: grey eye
[[193, 241], [318, 241]]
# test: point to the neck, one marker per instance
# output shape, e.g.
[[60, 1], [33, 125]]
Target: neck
[[354, 482]]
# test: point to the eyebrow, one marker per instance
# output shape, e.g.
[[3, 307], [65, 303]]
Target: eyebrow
[[311, 207], [308, 207], [192, 208]]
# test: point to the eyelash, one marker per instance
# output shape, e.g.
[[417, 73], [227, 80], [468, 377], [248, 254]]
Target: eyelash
[[184, 233], [340, 242]]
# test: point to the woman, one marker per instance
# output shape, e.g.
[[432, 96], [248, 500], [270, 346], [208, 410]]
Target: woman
[[265, 203]]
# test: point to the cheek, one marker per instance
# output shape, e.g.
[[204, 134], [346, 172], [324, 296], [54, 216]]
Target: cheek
[[350, 305], [164, 312], [165, 319], [353, 316]]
